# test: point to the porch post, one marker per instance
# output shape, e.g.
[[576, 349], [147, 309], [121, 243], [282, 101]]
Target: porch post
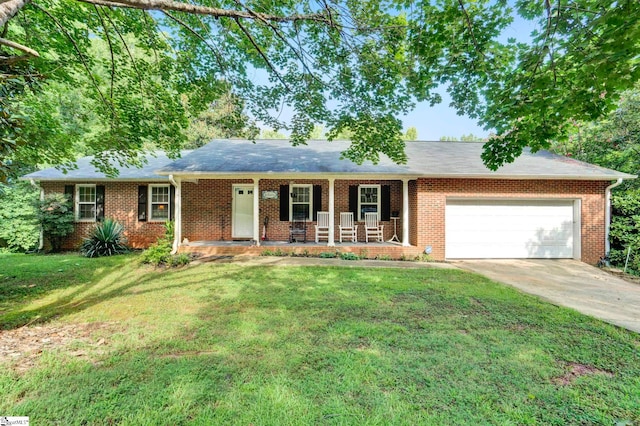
[[405, 212], [177, 215], [256, 211], [331, 239]]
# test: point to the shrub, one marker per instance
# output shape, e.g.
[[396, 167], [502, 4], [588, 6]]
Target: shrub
[[349, 256], [328, 255], [56, 216], [159, 253], [105, 239]]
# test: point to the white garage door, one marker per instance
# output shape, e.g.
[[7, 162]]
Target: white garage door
[[509, 229]]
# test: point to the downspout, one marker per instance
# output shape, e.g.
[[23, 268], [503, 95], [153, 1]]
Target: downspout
[[41, 241], [178, 216], [607, 216]]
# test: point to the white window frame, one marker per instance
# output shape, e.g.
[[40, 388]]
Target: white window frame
[[151, 203], [360, 203], [78, 203], [291, 202]]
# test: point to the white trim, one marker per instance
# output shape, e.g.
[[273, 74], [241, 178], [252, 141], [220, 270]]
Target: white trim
[[391, 176], [377, 203], [256, 211], [301, 185], [177, 229], [405, 212], [151, 203], [332, 220], [77, 202]]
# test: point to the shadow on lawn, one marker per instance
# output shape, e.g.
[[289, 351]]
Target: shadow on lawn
[[103, 284]]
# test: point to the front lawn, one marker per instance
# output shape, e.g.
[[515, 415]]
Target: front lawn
[[270, 345]]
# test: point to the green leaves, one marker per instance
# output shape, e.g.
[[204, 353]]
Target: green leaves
[[349, 64]]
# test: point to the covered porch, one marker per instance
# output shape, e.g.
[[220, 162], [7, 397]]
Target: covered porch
[[227, 215]]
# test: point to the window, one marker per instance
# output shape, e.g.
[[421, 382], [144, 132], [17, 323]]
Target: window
[[86, 203], [368, 200], [301, 202], [159, 197]]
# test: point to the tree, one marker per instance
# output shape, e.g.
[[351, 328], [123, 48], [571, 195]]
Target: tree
[[272, 134], [224, 119], [411, 134], [18, 217], [614, 142], [149, 65], [464, 138]]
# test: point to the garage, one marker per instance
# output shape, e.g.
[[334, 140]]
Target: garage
[[499, 229]]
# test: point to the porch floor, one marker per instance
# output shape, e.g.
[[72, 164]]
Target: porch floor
[[392, 249]]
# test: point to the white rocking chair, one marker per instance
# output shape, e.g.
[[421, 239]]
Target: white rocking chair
[[372, 229], [322, 227], [348, 229]]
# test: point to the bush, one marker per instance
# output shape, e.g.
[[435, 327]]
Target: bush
[[19, 227], [56, 216], [328, 255], [105, 239], [625, 230], [159, 253], [349, 256]]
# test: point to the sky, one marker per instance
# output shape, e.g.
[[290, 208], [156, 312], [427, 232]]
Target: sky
[[440, 120]]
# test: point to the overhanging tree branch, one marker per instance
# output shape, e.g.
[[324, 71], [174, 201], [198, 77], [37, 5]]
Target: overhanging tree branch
[[169, 5], [18, 46]]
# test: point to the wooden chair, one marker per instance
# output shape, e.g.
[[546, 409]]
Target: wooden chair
[[348, 229], [372, 229], [298, 230], [322, 227]]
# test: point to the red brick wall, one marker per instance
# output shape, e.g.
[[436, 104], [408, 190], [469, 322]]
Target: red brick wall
[[207, 210], [120, 203], [432, 195]]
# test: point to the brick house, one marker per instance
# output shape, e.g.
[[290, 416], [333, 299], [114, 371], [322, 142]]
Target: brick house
[[231, 196]]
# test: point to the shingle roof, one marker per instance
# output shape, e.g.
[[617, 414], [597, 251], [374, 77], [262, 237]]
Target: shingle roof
[[87, 172], [429, 159], [278, 157]]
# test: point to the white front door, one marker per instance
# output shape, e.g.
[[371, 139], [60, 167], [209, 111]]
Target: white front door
[[242, 211]]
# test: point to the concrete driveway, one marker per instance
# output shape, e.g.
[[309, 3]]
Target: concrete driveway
[[569, 283]]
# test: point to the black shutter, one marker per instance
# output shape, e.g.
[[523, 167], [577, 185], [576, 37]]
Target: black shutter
[[385, 203], [99, 203], [69, 191], [353, 201], [317, 200], [142, 203], [172, 201], [284, 203]]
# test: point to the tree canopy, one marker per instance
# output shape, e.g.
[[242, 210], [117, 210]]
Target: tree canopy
[[145, 67]]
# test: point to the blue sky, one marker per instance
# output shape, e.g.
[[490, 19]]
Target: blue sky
[[441, 120]]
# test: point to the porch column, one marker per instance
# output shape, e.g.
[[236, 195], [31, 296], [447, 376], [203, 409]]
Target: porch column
[[330, 241], [405, 212], [256, 211], [177, 215]]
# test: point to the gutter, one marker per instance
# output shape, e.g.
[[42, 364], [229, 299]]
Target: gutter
[[607, 216], [41, 239]]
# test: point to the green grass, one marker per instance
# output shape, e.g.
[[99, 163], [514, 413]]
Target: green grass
[[269, 345]]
